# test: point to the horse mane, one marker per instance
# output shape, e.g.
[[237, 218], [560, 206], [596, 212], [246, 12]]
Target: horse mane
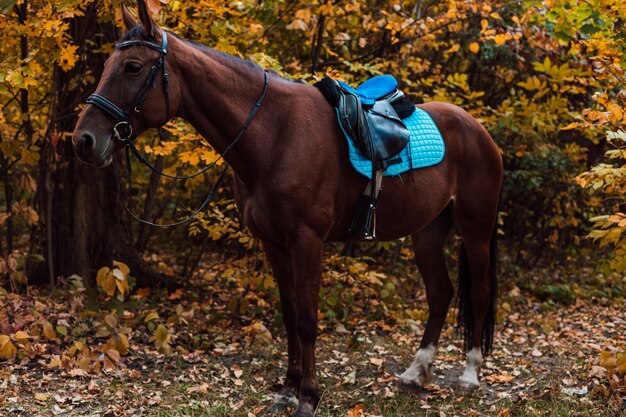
[[138, 33], [210, 51]]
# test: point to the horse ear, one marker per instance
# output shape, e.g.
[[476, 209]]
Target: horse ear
[[129, 20], [151, 28]]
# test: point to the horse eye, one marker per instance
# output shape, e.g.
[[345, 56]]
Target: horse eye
[[132, 67]]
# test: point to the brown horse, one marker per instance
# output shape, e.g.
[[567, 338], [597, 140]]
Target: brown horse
[[296, 189]]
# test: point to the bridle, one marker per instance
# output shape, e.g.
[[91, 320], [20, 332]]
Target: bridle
[[121, 116], [123, 130]]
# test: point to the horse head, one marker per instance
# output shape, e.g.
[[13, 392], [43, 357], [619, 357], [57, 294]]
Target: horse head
[[135, 92]]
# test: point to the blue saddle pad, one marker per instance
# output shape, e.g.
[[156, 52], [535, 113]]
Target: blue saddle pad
[[374, 88], [425, 147]]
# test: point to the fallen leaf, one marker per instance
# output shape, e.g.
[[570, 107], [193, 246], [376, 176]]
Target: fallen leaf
[[356, 411], [7, 348], [41, 397]]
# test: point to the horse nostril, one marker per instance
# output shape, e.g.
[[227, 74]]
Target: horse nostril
[[85, 145]]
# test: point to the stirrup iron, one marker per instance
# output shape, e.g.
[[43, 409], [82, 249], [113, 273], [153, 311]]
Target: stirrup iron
[[373, 189]]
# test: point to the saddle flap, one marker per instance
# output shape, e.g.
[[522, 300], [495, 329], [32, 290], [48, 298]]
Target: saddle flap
[[387, 134]]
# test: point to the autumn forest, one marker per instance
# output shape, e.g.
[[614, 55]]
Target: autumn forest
[[104, 315]]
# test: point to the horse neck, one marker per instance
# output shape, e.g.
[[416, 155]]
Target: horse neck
[[218, 93]]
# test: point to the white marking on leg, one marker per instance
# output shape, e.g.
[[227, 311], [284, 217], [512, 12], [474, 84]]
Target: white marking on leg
[[421, 370], [469, 379], [285, 400]]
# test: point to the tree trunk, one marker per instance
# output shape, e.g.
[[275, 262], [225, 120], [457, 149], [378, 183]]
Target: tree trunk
[[86, 227]]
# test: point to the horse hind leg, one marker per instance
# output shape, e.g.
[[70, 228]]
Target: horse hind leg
[[428, 245], [477, 291]]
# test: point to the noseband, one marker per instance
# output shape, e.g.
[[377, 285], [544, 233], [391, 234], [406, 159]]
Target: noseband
[[123, 130]]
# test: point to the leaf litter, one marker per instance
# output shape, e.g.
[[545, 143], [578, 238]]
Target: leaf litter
[[187, 350]]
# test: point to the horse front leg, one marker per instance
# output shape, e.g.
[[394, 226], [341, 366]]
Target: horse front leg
[[306, 264], [281, 265]]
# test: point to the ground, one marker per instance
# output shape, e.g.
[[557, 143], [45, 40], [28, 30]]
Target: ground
[[545, 362]]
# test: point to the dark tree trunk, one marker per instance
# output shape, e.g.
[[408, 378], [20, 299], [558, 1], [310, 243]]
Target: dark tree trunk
[[85, 225]]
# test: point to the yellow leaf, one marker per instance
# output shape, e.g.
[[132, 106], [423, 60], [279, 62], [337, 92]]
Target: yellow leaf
[[161, 333], [304, 15], [48, 332], [495, 15], [190, 157], [21, 336], [474, 47], [106, 281], [122, 285], [151, 316], [208, 155], [572, 125], [40, 396], [55, 363], [7, 348], [500, 39], [68, 57], [122, 344]]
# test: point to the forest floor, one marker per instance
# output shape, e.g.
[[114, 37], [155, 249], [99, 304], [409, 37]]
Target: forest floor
[[546, 361]]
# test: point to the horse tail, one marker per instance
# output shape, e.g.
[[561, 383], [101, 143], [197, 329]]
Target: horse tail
[[464, 304]]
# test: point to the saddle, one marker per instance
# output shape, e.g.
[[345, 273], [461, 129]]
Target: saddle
[[370, 116]]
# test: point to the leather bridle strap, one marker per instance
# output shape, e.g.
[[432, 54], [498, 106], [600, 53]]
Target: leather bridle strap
[[202, 206], [123, 129]]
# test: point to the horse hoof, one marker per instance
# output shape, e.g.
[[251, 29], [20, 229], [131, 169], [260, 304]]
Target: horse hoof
[[414, 378], [468, 384], [408, 385], [304, 410]]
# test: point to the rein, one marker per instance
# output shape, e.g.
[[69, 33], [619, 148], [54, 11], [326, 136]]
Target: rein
[[123, 130]]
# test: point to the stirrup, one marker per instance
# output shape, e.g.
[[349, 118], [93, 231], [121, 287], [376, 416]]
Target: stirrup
[[373, 189]]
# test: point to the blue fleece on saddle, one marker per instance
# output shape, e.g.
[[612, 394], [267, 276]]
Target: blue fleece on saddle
[[374, 88], [425, 148]]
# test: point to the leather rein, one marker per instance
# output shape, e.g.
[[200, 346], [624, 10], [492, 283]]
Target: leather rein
[[123, 130]]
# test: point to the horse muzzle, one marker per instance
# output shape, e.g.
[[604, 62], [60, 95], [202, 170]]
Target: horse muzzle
[[87, 151]]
